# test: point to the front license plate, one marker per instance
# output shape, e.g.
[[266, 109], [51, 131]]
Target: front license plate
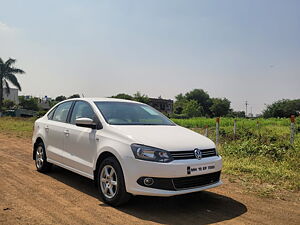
[[194, 170]]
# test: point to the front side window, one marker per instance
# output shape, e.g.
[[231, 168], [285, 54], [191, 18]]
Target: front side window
[[127, 113], [81, 110], [61, 112]]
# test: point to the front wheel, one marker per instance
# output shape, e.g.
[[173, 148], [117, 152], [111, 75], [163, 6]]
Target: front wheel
[[111, 184]]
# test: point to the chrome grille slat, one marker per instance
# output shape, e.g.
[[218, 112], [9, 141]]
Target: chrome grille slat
[[182, 154], [190, 154]]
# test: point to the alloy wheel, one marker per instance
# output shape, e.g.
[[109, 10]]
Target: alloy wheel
[[39, 157], [108, 181]]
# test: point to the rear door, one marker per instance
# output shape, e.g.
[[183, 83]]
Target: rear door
[[80, 143], [54, 132]]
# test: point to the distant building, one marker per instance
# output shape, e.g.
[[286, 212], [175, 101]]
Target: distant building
[[12, 96], [44, 103], [162, 105]]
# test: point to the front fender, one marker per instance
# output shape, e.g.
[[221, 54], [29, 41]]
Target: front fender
[[120, 150]]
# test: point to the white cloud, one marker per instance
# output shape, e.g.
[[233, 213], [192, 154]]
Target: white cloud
[[5, 28]]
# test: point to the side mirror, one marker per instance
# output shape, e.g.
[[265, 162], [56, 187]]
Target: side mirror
[[86, 122]]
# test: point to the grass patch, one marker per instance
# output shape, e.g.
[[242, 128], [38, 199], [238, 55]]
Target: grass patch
[[201, 122], [20, 127], [262, 170]]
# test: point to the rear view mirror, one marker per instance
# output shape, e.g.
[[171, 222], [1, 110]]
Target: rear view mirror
[[86, 122]]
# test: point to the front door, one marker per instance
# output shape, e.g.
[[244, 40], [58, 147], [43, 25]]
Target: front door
[[80, 142]]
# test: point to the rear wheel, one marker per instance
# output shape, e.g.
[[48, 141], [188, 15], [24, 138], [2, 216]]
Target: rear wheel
[[110, 182], [41, 159]]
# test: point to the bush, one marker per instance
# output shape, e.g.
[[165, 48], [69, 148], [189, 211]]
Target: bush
[[283, 108], [30, 104], [8, 104]]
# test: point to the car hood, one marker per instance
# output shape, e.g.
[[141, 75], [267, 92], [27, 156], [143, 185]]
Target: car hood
[[172, 138]]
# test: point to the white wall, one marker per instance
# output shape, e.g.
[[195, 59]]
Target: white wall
[[13, 95]]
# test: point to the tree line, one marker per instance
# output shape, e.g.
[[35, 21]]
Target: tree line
[[192, 104], [198, 103]]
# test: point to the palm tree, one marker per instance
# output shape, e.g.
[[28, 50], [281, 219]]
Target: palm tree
[[8, 73]]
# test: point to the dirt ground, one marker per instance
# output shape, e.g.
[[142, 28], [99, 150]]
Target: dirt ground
[[62, 197]]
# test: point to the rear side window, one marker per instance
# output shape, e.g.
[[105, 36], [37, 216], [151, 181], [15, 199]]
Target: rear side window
[[61, 112], [81, 110], [50, 115]]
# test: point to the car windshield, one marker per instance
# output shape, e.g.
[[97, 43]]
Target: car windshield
[[127, 113]]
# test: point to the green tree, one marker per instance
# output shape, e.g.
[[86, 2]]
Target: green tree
[[179, 106], [220, 107], [180, 97], [8, 74], [192, 109], [140, 98], [282, 108], [31, 103], [74, 96], [238, 114], [52, 103], [123, 96], [60, 98], [202, 98]]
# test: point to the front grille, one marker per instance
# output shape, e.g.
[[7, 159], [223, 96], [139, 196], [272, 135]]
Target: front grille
[[196, 181], [190, 154]]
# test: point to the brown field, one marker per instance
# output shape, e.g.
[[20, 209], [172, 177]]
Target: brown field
[[62, 197]]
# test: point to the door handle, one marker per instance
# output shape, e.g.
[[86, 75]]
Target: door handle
[[47, 128], [66, 132]]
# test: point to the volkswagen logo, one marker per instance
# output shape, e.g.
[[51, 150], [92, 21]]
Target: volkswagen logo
[[198, 153]]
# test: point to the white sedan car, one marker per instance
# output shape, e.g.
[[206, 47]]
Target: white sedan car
[[127, 148]]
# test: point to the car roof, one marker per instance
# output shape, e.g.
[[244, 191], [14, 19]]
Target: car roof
[[105, 100]]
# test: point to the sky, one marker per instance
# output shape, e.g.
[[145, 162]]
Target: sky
[[241, 50]]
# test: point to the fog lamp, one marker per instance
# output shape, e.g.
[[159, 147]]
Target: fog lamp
[[148, 181]]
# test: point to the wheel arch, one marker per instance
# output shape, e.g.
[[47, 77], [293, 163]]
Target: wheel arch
[[103, 155]]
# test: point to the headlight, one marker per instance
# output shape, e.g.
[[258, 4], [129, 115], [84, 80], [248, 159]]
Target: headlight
[[151, 154]]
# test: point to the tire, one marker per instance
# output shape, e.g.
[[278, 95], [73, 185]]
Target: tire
[[111, 184], [41, 159]]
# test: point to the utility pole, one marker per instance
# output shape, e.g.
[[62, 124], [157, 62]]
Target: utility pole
[[206, 131], [217, 130], [234, 128], [292, 129], [246, 106]]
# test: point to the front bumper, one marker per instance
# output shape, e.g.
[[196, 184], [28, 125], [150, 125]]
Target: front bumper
[[135, 169]]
